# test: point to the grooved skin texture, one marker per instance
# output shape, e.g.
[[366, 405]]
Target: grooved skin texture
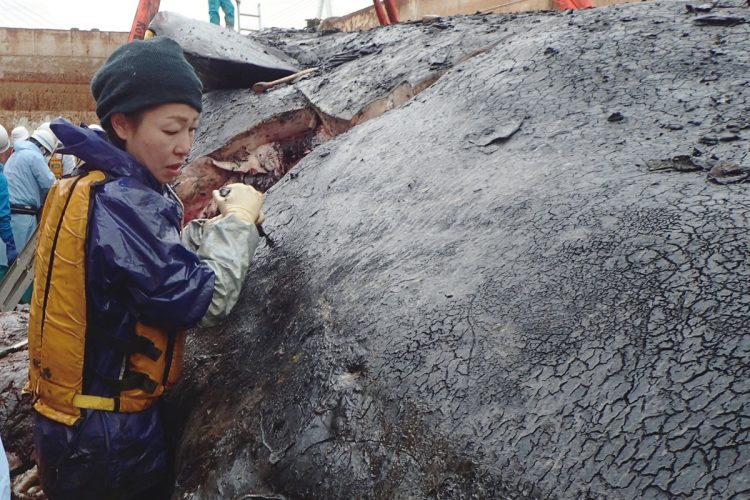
[[451, 314]]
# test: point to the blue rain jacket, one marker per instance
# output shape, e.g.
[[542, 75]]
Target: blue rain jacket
[[29, 178], [136, 268], [6, 232]]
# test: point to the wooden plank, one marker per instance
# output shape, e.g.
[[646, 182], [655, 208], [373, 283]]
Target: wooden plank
[[19, 276]]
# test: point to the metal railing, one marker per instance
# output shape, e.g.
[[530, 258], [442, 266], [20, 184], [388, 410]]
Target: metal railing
[[240, 15]]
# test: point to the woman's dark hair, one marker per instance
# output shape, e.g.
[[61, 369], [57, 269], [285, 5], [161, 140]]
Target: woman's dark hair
[[135, 120]]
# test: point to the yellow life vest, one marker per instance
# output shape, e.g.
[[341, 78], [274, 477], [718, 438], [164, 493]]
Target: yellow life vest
[[58, 319], [56, 165]]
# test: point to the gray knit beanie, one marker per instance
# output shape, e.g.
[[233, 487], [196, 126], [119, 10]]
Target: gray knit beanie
[[142, 74]]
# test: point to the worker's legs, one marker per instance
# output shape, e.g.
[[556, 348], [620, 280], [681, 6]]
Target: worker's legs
[[23, 227], [62, 471], [213, 11], [228, 7], [4, 256], [107, 455], [26, 297]]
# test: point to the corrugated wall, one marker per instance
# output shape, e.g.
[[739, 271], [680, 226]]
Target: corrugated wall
[[46, 73]]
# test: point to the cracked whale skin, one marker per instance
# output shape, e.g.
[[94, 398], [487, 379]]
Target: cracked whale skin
[[453, 310]]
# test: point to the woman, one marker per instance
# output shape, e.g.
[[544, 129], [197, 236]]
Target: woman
[[115, 288]]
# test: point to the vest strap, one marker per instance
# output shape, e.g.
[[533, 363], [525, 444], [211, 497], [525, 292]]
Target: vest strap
[[94, 402], [137, 344], [131, 380], [137, 380]]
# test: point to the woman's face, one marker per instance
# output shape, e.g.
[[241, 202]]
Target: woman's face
[[161, 140]]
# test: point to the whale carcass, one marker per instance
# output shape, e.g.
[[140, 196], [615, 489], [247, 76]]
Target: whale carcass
[[525, 282], [529, 281]]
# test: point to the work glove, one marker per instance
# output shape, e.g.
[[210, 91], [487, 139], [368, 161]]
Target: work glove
[[241, 200]]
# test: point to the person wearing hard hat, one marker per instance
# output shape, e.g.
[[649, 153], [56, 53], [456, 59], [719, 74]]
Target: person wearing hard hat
[[6, 232], [4, 143], [29, 178], [62, 165], [20, 133], [116, 284]]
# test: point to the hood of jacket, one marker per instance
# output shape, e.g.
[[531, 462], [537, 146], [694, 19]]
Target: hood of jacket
[[26, 146], [99, 154]]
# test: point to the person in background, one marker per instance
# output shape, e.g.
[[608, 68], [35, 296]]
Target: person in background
[[4, 143], [5, 146], [6, 233], [29, 178], [68, 165], [19, 134], [62, 165], [227, 7], [118, 280]]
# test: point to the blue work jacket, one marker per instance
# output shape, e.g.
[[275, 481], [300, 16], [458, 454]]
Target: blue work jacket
[[29, 178]]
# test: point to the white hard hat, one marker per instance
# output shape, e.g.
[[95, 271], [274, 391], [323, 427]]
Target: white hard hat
[[19, 134], [97, 127], [4, 141], [46, 138]]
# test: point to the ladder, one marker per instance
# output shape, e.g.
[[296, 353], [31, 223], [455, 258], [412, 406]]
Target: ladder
[[19, 276], [240, 15]]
